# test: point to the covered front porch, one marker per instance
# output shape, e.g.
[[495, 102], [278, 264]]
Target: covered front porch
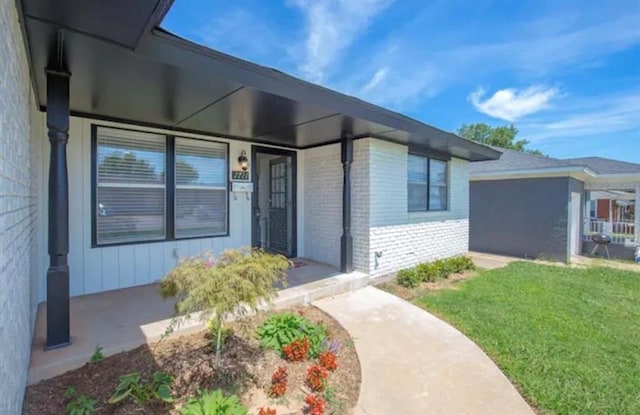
[[123, 319], [611, 209]]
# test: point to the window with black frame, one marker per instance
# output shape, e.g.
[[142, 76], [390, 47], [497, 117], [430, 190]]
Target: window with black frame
[[133, 197], [427, 184]]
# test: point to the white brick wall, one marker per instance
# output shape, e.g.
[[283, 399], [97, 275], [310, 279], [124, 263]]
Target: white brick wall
[[404, 238], [323, 204], [360, 203], [18, 213], [379, 216]]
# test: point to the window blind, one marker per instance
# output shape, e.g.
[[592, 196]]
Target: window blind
[[437, 185], [130, 193], [201, 188], [417, 183]]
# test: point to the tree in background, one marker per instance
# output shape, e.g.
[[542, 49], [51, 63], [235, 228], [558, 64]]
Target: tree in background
[[126, 166], [503, 137]]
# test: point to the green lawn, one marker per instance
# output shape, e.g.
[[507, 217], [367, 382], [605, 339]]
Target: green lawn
[[568, 338]]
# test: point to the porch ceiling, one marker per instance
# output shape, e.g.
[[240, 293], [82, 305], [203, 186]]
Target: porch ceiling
[[124, 67]]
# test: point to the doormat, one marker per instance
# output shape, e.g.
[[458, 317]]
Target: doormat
[[298, 264]]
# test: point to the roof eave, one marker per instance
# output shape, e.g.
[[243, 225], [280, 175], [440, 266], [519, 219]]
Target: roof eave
[[582, 173]]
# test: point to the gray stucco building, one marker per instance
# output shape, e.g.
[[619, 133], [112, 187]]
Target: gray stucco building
[[531, 206]]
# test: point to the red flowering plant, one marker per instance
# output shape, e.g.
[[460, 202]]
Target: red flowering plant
[[328, 360], [279, 381], [317, 378], [315, 405], [266, 411], [297, 350]]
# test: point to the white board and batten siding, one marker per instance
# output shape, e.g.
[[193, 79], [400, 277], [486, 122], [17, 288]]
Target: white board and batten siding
[[106, 268]]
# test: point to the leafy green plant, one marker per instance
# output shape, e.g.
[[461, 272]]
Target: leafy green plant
[[282, 329], [97, 355], [432, 271], [461, 263], [235, 282], [79, 404], [408, 278], [159, 387], [214, 403], [427, 272]]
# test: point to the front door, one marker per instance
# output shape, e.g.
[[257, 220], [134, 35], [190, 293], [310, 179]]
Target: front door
[[274, 201], [279, 201]]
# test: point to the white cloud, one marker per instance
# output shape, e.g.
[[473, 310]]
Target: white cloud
[[332, 26], [510, 104], [585, 117], [545, 48], [376, 79]]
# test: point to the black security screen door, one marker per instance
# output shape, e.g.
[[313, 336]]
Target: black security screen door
[[279, 205], [274, 200]]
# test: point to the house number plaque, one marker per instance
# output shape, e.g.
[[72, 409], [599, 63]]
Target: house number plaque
[[240, 175]]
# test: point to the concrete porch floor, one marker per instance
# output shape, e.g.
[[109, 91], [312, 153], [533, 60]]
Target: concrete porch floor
[[123, 319]]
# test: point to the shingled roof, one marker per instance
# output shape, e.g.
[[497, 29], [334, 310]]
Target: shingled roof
[[605, 166], [512, 161]]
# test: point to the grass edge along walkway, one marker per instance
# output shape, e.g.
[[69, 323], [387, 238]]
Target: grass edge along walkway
[[568, 338]]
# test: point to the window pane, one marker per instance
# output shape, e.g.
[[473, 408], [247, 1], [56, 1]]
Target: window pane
[[438, 198], [437, 185], [437, 172], [200, 212], [416, 169], [201, 188], [130, 191], [417, 197], [201, 163]]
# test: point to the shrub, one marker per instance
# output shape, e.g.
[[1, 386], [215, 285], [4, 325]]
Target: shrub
[[426, 272], [408, 278], [317, 378], [432, 271], [214, 403], [297, 351], [279, 381], [283, 329], [461, 263], [315, 405], [130, 386], [328, 360], [79, 404], [234, 282]]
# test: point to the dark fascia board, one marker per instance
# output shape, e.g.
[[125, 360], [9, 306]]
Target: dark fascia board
[[165, 47], [161, 10]]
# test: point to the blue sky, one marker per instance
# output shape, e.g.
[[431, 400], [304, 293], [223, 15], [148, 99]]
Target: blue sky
[[566, 73]]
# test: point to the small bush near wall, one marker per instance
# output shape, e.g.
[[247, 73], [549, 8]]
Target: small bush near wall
[[408, 278], [232, 283], [432, 271]]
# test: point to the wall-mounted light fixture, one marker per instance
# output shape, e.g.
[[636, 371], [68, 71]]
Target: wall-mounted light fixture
[[243, 160]]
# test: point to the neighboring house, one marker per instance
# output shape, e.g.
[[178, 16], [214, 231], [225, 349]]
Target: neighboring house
[[124, 147], [533, 206]]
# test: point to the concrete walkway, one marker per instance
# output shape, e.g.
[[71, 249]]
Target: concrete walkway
[[415, 364], [491, 261]]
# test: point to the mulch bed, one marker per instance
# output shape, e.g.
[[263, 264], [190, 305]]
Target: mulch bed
[[246, 371], [409, 294]]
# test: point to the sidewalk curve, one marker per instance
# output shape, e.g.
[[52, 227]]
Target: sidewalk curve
[[415, 364]]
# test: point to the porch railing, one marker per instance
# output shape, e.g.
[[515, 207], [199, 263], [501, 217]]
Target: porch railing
[[620, 232]]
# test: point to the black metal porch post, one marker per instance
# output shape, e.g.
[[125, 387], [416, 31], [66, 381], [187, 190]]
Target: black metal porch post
[[346, 241], [58, 247]]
